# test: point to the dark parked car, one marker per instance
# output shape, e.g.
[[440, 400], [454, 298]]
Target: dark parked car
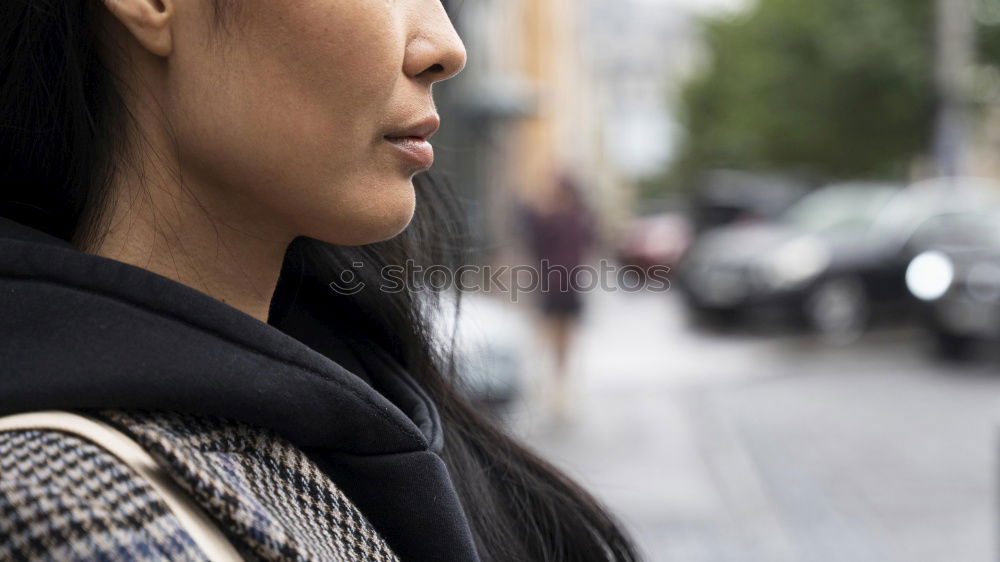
[[834, 259], [957, 280], [723, 197]]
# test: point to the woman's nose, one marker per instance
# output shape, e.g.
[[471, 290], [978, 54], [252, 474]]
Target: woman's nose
[[436, 53]]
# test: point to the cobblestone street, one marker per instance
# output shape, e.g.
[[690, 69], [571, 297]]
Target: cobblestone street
[[750, 448]]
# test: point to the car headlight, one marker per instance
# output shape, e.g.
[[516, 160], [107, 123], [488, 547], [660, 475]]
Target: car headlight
[[795, 263], [929, 275]]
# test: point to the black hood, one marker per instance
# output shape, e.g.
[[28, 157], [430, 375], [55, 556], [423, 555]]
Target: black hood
[[79, 331]]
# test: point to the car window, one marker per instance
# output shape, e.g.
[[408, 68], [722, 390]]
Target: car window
[[907, 211], [838, 208], [952, 227], [929, 214]]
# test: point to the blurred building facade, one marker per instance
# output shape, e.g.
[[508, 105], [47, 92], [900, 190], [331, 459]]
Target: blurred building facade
[[522, 112], [564, 85]]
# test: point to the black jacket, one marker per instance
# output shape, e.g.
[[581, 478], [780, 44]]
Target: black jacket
[[79, 331]]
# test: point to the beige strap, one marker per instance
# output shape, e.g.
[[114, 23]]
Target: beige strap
[[202, 530]]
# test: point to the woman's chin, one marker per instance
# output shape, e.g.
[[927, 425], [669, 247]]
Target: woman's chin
[[376, 226], [387, 230]]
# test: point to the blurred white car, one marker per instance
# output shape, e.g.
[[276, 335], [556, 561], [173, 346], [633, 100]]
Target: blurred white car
[[490, 340]]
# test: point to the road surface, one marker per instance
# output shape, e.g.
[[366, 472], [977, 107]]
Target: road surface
[[741, 447]]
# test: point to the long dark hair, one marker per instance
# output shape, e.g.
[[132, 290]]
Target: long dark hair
[[64, 130]]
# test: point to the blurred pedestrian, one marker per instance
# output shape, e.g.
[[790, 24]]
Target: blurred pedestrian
[[560, 233]]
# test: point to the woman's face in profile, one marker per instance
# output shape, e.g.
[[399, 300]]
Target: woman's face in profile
[[296, 109]]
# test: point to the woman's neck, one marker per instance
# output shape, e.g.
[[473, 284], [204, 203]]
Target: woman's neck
[[196, 236], [173, 217]]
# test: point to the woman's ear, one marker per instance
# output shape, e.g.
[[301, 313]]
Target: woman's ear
[[149, 21]]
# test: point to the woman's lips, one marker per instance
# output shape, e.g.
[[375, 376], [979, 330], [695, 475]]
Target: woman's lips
[[416, 149]]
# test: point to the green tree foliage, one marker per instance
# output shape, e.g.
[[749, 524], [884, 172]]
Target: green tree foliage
[[839, 88], [988, 34]]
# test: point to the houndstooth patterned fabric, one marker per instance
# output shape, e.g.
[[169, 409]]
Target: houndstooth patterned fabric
[[62, 498], [272, 501]]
